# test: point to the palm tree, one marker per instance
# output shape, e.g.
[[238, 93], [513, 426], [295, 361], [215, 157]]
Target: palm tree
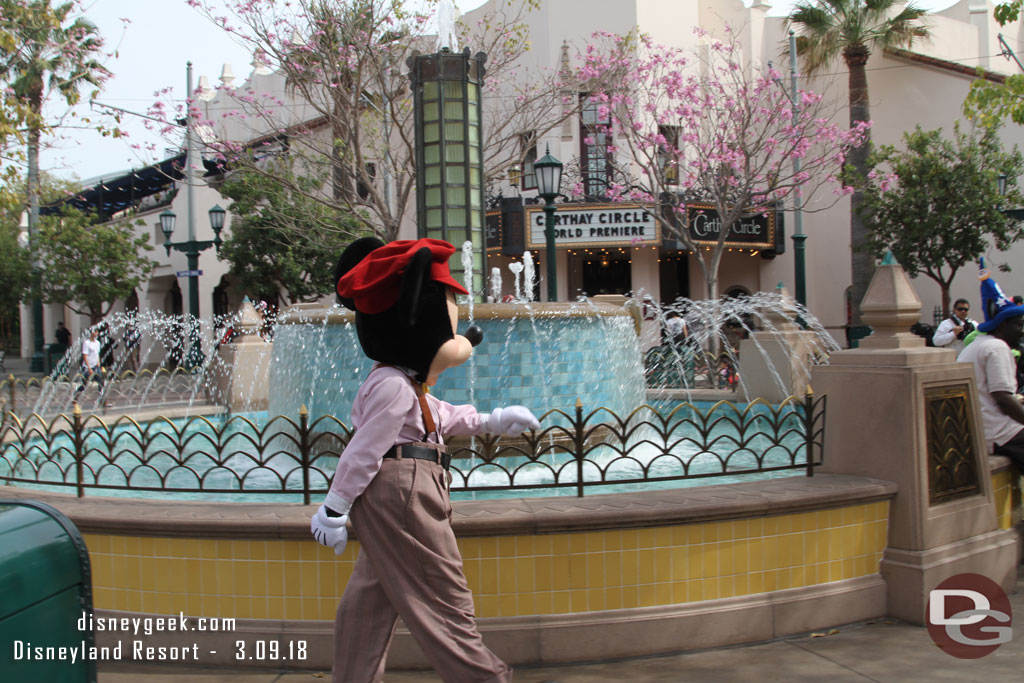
[[851, 28], [45, 56], [49, 56]]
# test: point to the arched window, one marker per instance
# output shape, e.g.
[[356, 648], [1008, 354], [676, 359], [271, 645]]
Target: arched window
[[221, 304], [736, 292]]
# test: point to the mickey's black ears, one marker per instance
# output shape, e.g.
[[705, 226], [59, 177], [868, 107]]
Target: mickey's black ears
[[353, 254], [416, 274]]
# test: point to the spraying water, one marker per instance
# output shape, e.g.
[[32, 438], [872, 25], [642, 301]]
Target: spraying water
[[529, 276], [728, 341], [495, 285], [517, 271], [145, 362], [467, 273]]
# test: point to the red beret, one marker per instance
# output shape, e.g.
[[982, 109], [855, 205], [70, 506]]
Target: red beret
[[375, 282]]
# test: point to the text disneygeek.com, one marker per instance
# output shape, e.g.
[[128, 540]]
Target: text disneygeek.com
[[143, 649]]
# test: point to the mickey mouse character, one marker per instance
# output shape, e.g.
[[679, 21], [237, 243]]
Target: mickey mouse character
[[392, 477]]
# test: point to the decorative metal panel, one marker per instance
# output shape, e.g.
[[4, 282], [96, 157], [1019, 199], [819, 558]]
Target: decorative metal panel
[[950, 430]]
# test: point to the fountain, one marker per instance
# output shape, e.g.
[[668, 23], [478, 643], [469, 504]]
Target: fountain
[[554, 579], [547, 355], [766, 342], [550, 356], [616, 575], [576, 364]]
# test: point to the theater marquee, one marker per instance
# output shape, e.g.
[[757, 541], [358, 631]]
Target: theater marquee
[[594, 225], [751, 231]]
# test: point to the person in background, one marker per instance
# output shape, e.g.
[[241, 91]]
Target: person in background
[[951, 331], [995, 371], [727, 377], [676, 331], [1016, 351], [107, 346], [132, 337], [62, 334], [91, 369]]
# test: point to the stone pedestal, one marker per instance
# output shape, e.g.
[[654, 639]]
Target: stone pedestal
[[776, 362], [245, 365], [903, 412]]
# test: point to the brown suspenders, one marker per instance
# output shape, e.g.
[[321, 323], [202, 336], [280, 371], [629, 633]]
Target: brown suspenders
[[428, 419], [436, 452]]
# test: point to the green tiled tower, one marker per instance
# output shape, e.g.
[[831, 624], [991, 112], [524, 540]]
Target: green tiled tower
[[449, 157]]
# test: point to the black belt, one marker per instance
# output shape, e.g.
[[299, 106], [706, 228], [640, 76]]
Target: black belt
[[434, 453]]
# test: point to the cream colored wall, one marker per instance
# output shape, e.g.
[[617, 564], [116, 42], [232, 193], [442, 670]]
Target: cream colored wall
[[667, 22], [959, 39], [903, 94], [645, 270]]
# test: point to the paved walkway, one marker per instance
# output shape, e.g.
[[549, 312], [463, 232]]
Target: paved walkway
[[883, 652], [18, 367]]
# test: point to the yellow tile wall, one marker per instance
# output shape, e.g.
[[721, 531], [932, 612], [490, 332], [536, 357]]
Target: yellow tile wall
[[509, 575], [1007, 495]]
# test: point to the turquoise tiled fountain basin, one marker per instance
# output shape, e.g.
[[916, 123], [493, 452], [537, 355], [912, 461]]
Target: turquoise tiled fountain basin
[[544, 356]]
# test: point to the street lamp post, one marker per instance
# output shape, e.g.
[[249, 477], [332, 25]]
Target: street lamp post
[[799, 268], [549, 182], [1015, 214], [515, 176], [192, 248]]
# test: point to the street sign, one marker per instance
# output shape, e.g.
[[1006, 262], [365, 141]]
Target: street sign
[[189, 273]]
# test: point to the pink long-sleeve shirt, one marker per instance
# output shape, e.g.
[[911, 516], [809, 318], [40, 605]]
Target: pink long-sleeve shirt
[[386, 412]]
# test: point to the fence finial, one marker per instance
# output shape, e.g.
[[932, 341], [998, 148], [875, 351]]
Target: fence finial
[[303, 410], [809, 391]]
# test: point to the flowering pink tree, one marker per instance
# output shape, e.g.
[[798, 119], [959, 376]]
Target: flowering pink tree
[[705, 126], [331, 92]]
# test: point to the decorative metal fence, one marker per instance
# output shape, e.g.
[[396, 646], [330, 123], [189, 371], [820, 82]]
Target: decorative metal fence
[[237, 456], [23, 396]]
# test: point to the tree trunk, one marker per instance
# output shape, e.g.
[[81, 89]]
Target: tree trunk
[[32, 191], [32, 181], [862, 264]]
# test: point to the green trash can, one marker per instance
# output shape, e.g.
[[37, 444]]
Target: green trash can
[[854, 333], [45, 597], [55, 365]]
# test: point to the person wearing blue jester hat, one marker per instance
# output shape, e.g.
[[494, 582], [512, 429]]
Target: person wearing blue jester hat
[[995, 369], [392, 478]]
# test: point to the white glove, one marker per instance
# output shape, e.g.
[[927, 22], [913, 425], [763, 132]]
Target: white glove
[[509, 421], [329, 531]]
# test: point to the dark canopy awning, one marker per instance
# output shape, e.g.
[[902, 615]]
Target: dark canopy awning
[[110, 196]]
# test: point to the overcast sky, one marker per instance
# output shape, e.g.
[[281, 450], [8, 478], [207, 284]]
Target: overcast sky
[[153, 40]]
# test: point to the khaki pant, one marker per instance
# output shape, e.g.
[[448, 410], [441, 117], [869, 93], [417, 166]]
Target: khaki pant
[[409, 566]]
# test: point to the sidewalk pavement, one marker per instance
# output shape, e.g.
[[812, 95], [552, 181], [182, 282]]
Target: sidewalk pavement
[[19, 367], [883, 651]]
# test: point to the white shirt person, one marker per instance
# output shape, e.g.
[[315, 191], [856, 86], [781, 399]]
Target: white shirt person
[[951, 331]]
